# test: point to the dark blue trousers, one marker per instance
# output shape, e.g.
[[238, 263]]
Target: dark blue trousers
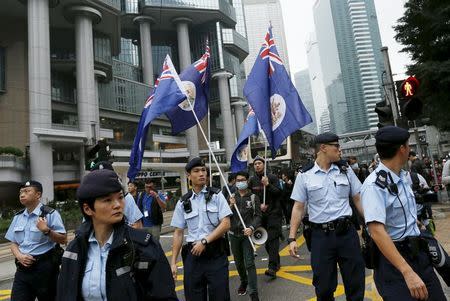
[[39, 282], [206, 277], [392, 286], [329, 250]]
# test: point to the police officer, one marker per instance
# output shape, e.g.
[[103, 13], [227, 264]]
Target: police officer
[[324, 187], [109, 260], [271, 212], [206, 215], [35, 234], [133, 216], [403, 270]]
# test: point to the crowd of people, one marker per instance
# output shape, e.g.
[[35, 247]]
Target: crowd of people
[[116, 254]]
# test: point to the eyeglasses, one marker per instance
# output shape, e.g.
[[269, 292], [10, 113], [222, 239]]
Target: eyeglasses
[[334, 144]]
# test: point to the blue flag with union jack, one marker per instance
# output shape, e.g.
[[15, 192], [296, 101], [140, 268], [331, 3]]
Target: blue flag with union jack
[[273, 97], [240, 155], [195, 79], [167, 93]]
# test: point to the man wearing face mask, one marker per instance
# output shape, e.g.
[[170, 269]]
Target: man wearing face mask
[[249, 207]]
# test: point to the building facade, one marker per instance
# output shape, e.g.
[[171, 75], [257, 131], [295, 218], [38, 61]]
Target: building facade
[[77, 71], [303, 86], [258, 15], [349, 45]]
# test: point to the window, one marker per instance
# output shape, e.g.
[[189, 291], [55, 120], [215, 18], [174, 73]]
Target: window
[[2, 69]]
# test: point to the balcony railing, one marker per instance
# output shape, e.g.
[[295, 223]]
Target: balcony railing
[[113, 3], [126, 70], [222, 5], [123, 95], [231, 36]]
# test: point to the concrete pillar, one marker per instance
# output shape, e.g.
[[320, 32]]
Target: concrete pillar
[[84, 17], [40, 110], [183, 182], [145, 23], [184, 53], [239, 115], [225, 109]]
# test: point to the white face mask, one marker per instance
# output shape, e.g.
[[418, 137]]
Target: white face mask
[[241, 185], [355, 166]]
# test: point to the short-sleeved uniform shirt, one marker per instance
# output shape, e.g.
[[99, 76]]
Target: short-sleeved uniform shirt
[[31, 240], [389, 209], [326, 192], [204, 218], [131, 210]]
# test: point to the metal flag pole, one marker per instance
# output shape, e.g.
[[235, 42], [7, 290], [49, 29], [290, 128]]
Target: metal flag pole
[[209, 154], [220, 171], [265, 165]]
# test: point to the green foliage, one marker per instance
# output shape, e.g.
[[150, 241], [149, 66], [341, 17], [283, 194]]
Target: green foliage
[[70, 213], [10, 150], [424, 30]]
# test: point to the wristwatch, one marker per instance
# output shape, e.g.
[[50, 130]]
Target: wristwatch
[[204, 241], [289, 240]]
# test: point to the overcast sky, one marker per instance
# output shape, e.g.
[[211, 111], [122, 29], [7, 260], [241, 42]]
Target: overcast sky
[[299, 22]]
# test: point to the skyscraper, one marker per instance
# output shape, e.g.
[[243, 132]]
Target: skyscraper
[[303, 85], [258, 15], [349, 45]]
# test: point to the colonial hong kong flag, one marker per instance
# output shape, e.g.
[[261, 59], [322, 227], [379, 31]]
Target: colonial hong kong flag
[[195, 79], [273, 97], [239, 157], [167, 93]]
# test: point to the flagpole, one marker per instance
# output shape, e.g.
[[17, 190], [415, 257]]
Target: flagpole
[[265, 169], [209, 154], [220, 171]]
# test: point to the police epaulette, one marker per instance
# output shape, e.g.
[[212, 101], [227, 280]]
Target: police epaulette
[[308, 166], [46, 210], [140, 236], [20, 212], [214, 190]]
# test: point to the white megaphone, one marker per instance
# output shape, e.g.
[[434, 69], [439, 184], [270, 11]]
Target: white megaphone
[[259, 236]]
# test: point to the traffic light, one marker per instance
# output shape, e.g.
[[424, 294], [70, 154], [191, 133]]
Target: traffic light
[[410, 104], [384, 112], [96, 153]]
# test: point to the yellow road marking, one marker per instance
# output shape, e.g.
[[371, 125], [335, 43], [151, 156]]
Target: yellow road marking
[[5, 294], [285, 250]]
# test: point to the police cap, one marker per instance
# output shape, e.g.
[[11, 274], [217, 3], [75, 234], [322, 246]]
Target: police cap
[[325, 138], [103, 165], [98, 183], [195, 162], [392, 134], [259, 158], [34, 184]]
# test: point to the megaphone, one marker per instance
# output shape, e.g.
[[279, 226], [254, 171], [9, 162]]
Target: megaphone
[[259, 236]]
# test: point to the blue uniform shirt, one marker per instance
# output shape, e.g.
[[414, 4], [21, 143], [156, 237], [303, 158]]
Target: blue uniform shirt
[[200, 221], [381, 206], [326, 193], [131, 210], [31, 240], [94, 280]]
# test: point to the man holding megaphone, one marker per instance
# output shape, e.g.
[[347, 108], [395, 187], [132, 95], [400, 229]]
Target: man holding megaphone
[[248, 205]]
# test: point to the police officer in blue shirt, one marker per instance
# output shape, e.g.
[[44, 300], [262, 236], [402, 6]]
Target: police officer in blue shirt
[[403, 270], [325, 187], [205, 213], [109, 260], [35, 234]]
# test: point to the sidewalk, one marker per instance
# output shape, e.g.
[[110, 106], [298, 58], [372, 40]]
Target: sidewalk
[[8, 268]]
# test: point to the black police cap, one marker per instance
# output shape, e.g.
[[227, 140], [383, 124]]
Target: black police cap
[[103, 165], [326, 138], [195, 162], [98, 183], [392, 134], [34, 184]]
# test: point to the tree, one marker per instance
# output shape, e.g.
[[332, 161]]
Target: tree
[[424, 30]]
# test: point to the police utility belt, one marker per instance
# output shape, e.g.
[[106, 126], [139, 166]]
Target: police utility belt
[[213, 249], [411, 246], [339, 226], [53, 255]]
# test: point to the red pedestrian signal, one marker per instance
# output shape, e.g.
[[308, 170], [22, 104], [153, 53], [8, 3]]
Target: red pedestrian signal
[[411, 105], [409, 87]]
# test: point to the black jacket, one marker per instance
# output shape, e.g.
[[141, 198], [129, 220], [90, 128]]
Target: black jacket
[[273, 193], [250, 211], [136, 268]]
